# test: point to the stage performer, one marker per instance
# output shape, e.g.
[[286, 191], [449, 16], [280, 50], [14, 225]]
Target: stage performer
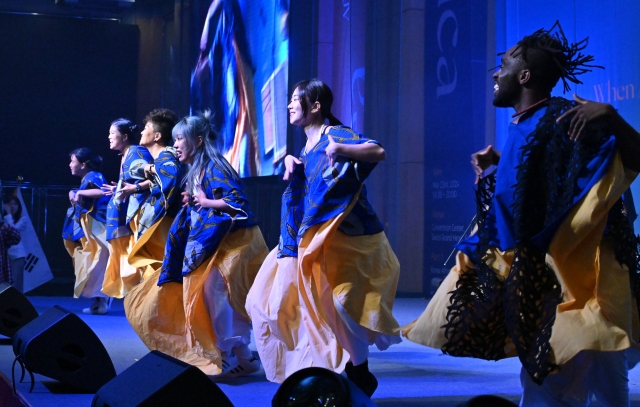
[[84, 231], [550, 275], [163, 179], [123, 211], [326, 293], [193, 309]]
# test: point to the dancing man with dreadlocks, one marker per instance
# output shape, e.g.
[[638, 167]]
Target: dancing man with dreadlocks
[[550, 273]]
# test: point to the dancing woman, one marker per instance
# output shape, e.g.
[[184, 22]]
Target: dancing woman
[[123, 211], [215, 248], [84, 230], [326, 292]]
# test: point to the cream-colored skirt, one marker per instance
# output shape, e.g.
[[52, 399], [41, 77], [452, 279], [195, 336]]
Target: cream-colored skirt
[[90, 256], [334, 298]]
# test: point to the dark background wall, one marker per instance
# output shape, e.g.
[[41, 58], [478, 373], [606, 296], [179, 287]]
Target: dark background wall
[[87, 62], [62, 83]]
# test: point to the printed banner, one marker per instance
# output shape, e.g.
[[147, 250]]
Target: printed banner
[[455, 116]]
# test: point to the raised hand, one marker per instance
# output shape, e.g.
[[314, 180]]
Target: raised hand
[[484, 159], [586, 112], [290, 163]]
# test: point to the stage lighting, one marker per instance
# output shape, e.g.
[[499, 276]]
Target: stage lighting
[[318, 387]]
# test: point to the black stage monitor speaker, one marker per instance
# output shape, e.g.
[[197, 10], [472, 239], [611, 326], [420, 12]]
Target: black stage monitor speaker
[[159, 380], [58, 344], [316, 386], [15, 310]]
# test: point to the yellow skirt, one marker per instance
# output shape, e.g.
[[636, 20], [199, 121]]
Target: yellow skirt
[[89, 258], [148, 252], [120, 276], [173, 317], [291, 304], [598, 311]]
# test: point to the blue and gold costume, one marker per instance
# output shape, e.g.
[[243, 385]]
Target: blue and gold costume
[[332, 272], [158, 212], [123, 216], [552, 269], [84, 236], [205, 246]]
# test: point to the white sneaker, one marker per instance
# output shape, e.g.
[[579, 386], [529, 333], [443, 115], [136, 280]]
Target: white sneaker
[[100, 306], [247, 366], [233, 367]]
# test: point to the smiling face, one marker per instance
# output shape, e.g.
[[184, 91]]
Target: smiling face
[[77, 168], [296, 115], [148, 135], [116, 140], [507, 86]]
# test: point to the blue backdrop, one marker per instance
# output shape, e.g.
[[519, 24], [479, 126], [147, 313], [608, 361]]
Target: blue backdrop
[[614, 41], [459, 118], [455, 119]]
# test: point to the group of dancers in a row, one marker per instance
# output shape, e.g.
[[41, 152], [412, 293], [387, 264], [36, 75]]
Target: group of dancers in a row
[[550, 275], [176, 238]]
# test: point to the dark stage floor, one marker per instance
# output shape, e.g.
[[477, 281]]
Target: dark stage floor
[[408, 374]]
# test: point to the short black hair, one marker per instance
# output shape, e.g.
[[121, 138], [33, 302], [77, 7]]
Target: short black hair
[[163, 121]]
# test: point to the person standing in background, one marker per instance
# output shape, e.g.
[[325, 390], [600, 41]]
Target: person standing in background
[[17, 253]]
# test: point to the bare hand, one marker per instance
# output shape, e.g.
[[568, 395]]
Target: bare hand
[[126, 190], [149, 171], [586, 112], [290, 163], [9, 209], [77, 197], [199, 197], [484, 159], [109, 189], [332, 150], [186, 197]]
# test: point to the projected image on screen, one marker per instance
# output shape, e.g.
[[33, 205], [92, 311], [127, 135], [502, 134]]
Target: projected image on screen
[[241, 76]]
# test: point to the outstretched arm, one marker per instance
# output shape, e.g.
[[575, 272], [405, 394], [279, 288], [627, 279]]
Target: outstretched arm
[[627, 137]]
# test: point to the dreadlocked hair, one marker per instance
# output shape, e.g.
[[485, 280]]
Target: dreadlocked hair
[[550, 57]]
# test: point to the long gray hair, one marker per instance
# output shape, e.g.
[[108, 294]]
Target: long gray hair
[[200, 125]]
